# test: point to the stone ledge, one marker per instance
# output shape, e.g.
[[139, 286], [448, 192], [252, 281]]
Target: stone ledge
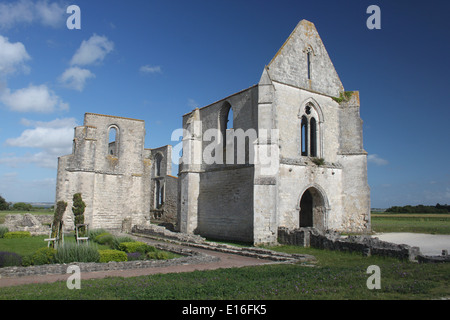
[[201, 243], [365, 244]]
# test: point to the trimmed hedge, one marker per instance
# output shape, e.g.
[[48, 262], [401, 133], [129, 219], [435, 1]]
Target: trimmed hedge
[[136, 246], [112, 255], [17, 234]]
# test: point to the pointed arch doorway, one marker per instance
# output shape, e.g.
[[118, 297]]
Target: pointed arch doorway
[[312, 209]]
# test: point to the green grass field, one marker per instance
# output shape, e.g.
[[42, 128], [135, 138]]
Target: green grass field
[[337, 275], [417, 223]]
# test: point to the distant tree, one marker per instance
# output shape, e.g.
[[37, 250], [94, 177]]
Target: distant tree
[[78, 210], [3, 204], [22, 206]]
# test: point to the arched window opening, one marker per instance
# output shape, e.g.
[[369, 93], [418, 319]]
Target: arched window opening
[[308, 61], [159, 194], [312, 124], [226, 122], [113, 143], [230, 119], [304, 136], [310, 133], [158, 161]]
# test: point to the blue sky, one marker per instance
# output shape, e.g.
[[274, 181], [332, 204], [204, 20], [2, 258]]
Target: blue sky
[[156, 60]]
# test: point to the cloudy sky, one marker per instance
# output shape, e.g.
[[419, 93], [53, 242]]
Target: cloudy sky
[[156, 60]]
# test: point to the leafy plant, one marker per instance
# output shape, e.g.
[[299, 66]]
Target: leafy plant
[[57, 219], [118, 240], [112, 255], [136, 246], [318, 161], [10, 259], [158, 255], [3, 230], [43, 256], [78, 210], [71, 252], [104, 238], [17, 234], [343, 96]]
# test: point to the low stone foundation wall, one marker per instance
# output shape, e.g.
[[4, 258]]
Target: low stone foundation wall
[[35, 224], [162, 232], [366, 245]]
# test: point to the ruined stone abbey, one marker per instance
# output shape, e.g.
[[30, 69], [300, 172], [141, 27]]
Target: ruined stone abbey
[[298, 160]]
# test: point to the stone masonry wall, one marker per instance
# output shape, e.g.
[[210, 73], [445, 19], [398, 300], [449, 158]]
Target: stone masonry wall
[[366, 245]]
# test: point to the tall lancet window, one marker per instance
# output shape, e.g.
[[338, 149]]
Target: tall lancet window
[[113, 141], [310, 137], [308, 61], [309, 53]]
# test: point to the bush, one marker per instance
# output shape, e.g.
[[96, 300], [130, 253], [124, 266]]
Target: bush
[[136, 246], [71, 252], [104, 238], [118, 240], [43, 256], [95, 232], [112, 255], [3, 230], [158, 255], [17, 234], [10, 259]]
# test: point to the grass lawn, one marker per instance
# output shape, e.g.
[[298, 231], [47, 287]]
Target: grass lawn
[[26, 246], [338, 275], [419, 223]]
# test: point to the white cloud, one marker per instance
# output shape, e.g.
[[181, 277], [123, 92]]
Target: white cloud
[[33, 99], [192, 103], [50, 14], [374, 158], [53, 138], [75, 78], [28, 12], [150, 69], [92, 51], [12, 56]]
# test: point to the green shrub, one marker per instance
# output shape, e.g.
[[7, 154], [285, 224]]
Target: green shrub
[[3, 230], [17, 234], [118, 240], [104, 238], [158, 255], [136, 246], [43, 256], [71, 252], [95, 232], [112, 255]]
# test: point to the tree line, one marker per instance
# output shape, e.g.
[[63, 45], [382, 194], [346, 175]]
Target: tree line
[[438, 208], [18, 206]]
